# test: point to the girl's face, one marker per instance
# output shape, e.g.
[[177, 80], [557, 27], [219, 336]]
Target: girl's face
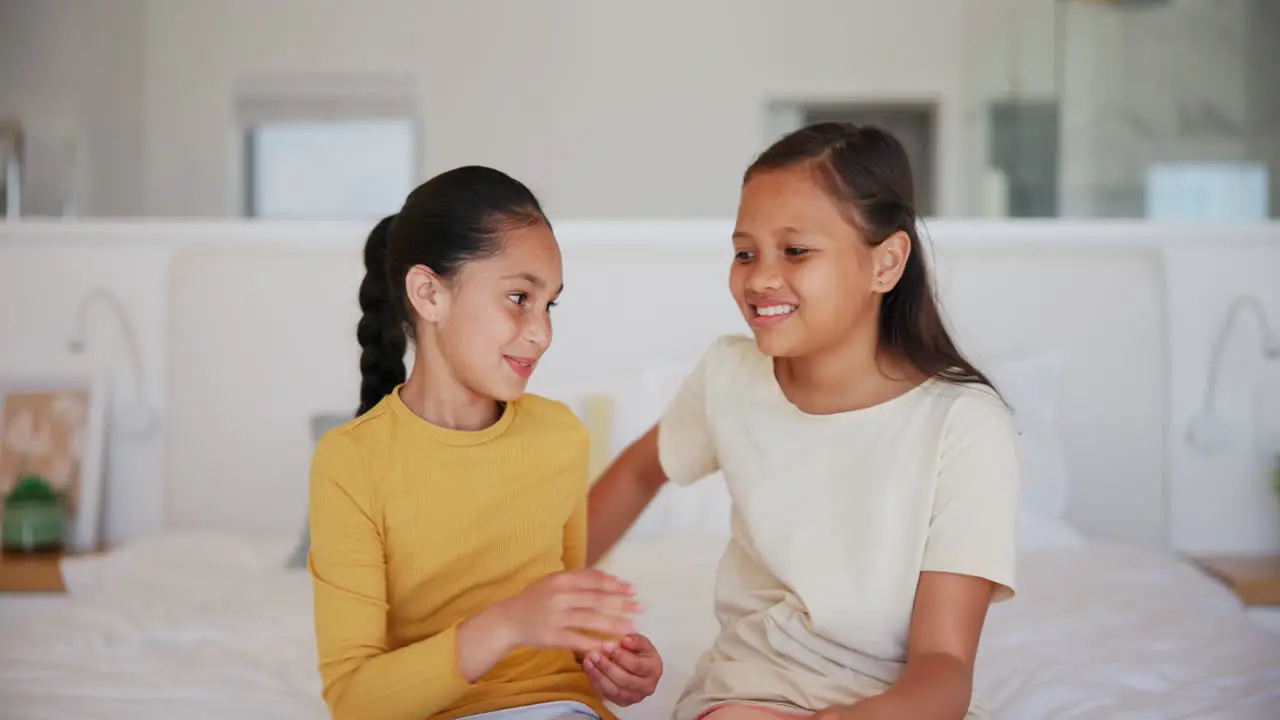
[[492, 320], [803, 276]]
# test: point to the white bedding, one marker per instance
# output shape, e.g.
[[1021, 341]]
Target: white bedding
[[211, 627]]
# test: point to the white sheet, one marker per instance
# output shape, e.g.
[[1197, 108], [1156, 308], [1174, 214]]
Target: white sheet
[[1115, 632], [192, 627], [1097, 631]]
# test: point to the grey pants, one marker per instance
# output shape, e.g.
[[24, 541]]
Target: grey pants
[[558, 710]]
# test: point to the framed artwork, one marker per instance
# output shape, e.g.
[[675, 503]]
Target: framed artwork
[[53, 425]]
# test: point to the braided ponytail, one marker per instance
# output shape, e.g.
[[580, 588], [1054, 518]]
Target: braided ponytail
[[381, 329]]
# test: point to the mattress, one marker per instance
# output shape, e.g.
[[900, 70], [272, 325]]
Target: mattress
[[212, 627]]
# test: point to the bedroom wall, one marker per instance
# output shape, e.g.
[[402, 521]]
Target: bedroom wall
[[627, 89], [1224, 502], [146, 89], [1216, 503], [44, 274], [1164, 82], [74, 72]]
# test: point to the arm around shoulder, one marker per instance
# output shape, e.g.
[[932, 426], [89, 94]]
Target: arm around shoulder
[[678, 448], [621, 494]]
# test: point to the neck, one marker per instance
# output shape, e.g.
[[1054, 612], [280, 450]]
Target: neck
[[850, 375], [434, 394], [831, 371]]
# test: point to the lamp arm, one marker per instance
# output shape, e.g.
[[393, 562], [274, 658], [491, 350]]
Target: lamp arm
[[131, 339], [1270, 347]]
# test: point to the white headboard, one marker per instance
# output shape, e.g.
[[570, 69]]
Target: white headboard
[[261, 338]]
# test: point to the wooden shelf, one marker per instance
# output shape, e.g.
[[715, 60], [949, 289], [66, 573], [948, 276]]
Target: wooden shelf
[[31, 573], [1255, 579]]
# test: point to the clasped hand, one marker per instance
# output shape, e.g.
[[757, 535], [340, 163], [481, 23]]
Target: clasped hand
[[590, 612]]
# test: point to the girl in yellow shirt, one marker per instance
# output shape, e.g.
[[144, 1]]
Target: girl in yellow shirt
[[449, 519]]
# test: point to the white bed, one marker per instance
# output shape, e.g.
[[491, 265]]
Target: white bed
[[211, 626], [1113, 628], [1097, 631]]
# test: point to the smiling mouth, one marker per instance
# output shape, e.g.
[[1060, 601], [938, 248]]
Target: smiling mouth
[[773, 310], [522, 366]]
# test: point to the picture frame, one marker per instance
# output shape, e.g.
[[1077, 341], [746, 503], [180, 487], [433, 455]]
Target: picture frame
[[53, 423]]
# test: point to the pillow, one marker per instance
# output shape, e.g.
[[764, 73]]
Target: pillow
[[1030, 384], [320, 424], [1040, 532]]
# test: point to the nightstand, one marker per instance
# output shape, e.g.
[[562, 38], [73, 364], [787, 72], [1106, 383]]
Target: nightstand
[[36, 573], [1255, 579]]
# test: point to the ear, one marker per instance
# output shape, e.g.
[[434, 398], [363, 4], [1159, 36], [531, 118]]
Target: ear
[[426, 293], [889, 259]]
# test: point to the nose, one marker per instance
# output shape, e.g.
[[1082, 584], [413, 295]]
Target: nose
[[763, 277], [538, 330]]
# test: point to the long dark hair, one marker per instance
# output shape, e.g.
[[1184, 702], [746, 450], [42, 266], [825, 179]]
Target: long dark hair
[[865, 169], [453, 218]]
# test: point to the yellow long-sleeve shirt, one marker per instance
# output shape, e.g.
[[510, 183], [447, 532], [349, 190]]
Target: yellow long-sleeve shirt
[[415, 528]]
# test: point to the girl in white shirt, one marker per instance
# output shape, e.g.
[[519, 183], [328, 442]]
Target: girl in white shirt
[[874, 471]]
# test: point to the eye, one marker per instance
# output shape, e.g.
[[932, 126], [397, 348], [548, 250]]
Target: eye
[[743, 256], [518, 298], [796, 251], [552, 304]]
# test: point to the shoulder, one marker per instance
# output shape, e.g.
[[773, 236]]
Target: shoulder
[[732, 348], [975, 417], [346, 447], [972, 403], [551, 416], [731, 359], [555, 438]]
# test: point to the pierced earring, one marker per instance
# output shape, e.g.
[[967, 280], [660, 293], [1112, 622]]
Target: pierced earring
[[880, 283]]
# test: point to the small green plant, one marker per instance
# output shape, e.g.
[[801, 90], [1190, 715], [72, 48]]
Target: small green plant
[[32, 489], [1275, 474], [34, 517]]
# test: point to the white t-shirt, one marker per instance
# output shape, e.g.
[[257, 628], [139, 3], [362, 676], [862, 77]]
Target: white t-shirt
[[834, 517]]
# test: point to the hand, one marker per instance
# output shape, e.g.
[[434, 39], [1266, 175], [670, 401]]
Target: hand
[[582, 610], [626, 674]]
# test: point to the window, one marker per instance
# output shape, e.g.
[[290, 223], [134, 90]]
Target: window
[[320, 146], [1225, 191], [1024, 149], [329, 169], [914, 124]]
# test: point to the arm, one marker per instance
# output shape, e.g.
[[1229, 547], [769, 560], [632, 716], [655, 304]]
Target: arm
[[575, 528], [361, 676], [942, 646], [679, 449], [575, 538], [622, 493]]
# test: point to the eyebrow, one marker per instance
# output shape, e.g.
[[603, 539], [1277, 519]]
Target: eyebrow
[[788, 230], [532, 279]]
